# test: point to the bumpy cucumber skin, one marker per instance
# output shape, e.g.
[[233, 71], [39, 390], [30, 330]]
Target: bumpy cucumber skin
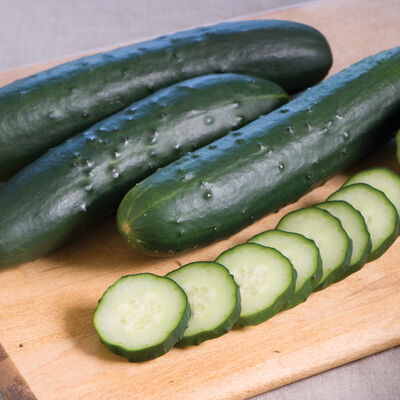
[[337, 273], [280, 302], [155, 351], [390, 239], [85, 178], [43, 110], [268, 163], [351, 269], [301, 295], [223, 328]]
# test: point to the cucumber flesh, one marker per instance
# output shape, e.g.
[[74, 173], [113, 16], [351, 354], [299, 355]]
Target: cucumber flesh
[[329, 236], [382, 179], [214, 300], [302, 253], [353, 223], [266, 279], [379, 214], [142, 316]]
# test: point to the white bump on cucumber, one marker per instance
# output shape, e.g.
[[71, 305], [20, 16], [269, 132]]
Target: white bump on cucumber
[[302, 253], [329, 236], [266, 279], [379, 214], [214, 299], [380, 178], [353, 223], [142, 316]]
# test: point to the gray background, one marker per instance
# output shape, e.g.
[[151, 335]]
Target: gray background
[[38, 30]]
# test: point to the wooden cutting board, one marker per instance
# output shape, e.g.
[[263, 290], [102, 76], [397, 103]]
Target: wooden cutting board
[[46, 306]]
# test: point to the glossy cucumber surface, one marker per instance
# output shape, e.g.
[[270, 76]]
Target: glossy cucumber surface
[[82, 180], [222, 188], [43, 110]]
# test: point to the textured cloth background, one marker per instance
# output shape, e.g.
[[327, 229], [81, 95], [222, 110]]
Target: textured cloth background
[[37, 30]]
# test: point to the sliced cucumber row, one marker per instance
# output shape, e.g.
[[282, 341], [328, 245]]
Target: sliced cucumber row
[[143, 316], [379, 214], [214, 299], [266, 279], [304, 256], [353, 223], [327, 233]]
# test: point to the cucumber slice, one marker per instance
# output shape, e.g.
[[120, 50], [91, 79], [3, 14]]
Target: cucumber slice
[[353, 223], [142, 316], [266, 279], [379, 214], [304, 256], [329, 236], [380, 178], [214, 299]]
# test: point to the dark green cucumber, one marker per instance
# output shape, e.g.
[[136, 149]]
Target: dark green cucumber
[[265, 277], [304, 256], [142, 316], [268, 163], [81, 180], [43, 110], [214, 300]]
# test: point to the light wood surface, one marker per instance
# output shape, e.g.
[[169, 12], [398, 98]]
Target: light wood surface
[[46, 306]]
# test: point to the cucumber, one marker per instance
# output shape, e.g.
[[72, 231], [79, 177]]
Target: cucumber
[[142, 316], [266, 279], [268, 163], [85, 178], [398, 146], [353, 223], [214, 300], [379, 214], [304, 256], [382, 179], [328, 234], [43, 110]]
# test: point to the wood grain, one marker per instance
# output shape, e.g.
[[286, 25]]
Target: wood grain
[[47, 305], [12, 385]]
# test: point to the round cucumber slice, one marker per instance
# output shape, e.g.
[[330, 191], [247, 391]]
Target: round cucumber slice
[[380, 178], [142, 316], [266, 279], [353, 223], [329, 236], [214, 299], [304, 256], [379, 214]]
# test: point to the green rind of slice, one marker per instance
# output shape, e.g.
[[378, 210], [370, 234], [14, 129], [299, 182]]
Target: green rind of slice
[[266, 279], [354, 224], [380, 178], [138, 307], [214, 299], [304, 256], [329, 236], [383, 224]]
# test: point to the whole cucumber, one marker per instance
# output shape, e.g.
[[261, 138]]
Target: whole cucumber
[[83, 179], [267, 164], [43, 110]]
